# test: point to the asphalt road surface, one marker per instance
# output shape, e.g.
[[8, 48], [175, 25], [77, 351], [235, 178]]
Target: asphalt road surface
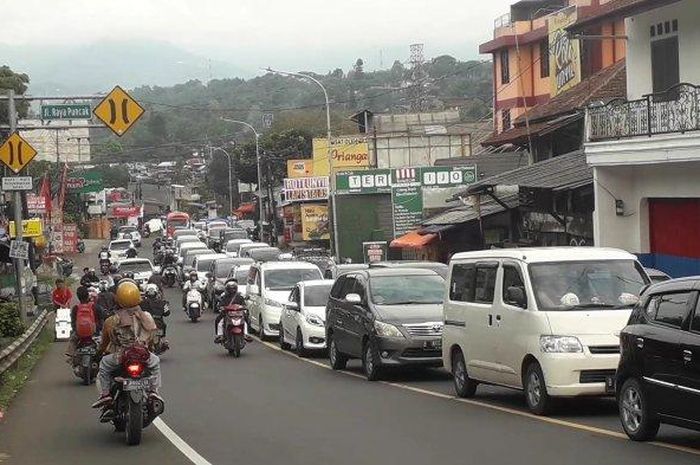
[[272, 407]]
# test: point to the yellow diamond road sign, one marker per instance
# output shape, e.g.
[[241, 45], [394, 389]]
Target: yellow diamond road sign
[[16, 152], [118, 111]]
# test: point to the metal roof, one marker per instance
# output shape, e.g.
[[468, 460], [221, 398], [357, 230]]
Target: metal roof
[[468, 213]]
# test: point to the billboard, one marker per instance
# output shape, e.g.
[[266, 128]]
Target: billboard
[[347, 152], [36, 204], [300, 168], [311, 188], [84, 183], [564, 51], [124, 211], [315, 224]]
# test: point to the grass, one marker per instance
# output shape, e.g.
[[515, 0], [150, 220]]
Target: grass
[[12, 380]]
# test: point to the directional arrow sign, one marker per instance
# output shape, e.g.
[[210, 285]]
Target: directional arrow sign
[[16, 152], [118, 111]]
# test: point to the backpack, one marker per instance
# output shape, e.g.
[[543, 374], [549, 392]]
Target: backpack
[[85, 324]]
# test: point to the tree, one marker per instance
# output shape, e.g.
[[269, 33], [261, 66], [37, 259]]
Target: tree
[[358, 70], [157, 127], [18, 82]]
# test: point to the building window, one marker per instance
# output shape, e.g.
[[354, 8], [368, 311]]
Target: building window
[[505, 67], [665, 67], [544, 58], [505, 119]]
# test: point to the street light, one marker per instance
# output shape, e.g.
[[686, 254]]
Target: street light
[[328, 135], [257, 158], [230, 184]]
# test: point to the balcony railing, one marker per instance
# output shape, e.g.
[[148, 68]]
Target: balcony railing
[[676, 110], [502, 21]]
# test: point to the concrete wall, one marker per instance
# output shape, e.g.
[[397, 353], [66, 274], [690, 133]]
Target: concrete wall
[[635, 185], [687, 12], [64, 142]]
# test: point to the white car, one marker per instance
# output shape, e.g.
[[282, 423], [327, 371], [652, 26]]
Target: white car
[[244, 249], [202, 264], [130, 232], [543, 320], [142, 268], [118, 248], [233, 246], [268, 288], [303, 320], [240, 274]]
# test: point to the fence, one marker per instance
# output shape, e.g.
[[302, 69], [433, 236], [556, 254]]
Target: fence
[[14, 351]]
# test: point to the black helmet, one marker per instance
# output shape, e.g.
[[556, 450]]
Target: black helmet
[[193, 274], [231, 284]]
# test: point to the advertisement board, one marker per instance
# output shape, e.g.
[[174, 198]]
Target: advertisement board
[[564, 51], [375, 251], [36, 204], [310, 188], [124, 211], [300, 168], [347, 152], [363, 182], [315, 224], [84, 182], [70, 238], [30, 228]]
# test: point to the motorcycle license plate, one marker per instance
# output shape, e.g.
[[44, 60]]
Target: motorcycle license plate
[[86, 351], [136, 384]]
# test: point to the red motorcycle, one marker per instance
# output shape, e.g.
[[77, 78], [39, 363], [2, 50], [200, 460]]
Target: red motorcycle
[[234, 329]]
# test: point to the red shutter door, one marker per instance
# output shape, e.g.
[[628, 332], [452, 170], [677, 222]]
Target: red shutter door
[[674, 227]]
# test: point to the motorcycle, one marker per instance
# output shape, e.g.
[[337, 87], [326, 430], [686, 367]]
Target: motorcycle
[[160, 344], [234, 329], [64, 266], [193, 305], [169, 276], [133, 408], [85, 360], [105, 264], [81, 246]]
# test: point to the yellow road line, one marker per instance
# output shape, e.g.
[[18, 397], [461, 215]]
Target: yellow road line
[[508, 410]]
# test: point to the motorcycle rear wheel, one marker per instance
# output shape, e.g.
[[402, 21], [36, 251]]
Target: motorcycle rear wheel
[[134, 423], [87, 376], [236, 349]]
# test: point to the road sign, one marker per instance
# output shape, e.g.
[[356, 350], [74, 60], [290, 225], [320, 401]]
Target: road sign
[[118, 111], [66, 111], [30, 228], [17, 183], [16, 152], [19, 249]]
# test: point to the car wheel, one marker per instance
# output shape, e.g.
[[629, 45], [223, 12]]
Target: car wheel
[[464, 385], [538, 400], [261, 331], [371, 363], [299, 346], [338, 360], [283, 344], [636, 416]]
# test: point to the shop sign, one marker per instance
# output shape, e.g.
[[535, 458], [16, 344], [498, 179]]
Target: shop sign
[[300, 168], [120, 211], [310, 188], [36, 204], [363, 182], [375, 251], [30, 228], [315, 224]]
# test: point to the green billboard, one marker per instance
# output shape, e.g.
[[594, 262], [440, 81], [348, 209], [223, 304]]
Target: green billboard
[[83, 183]]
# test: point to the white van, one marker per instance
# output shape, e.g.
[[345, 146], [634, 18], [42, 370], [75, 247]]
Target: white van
[[543, 320]]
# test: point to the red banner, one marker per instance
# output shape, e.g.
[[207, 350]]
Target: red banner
[[125, 212]]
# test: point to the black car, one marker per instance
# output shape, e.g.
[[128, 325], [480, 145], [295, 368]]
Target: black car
[[658, 379], [386, 317]]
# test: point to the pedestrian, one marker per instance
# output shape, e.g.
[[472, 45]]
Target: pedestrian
[[61, 295]]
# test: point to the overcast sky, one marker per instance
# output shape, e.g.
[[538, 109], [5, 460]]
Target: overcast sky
[[301, 34]]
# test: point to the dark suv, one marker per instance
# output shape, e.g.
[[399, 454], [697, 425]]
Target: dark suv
[[386, 317], [658, 380]]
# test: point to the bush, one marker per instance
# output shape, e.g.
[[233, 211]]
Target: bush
[[11, 324]]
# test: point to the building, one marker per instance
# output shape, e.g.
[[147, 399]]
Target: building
[[534, 58], [63, 144], [645, 149]]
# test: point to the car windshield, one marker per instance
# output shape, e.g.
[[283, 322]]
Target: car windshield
[[599, 284], [266, 255], [232, 247], [189, 259], [127, 229], [178, 222], [405, 290], [204, 264], [240, 234], [317, 296], [241, 274], [223, 267], [135, 267], [282, 280], [120, 245]]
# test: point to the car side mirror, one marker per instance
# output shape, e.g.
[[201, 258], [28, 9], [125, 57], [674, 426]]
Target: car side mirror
[[253, 289], [515, 295], [293, 306], [353, 299]]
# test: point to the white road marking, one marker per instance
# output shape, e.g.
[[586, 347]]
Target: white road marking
[[508, 410], [180, 443]]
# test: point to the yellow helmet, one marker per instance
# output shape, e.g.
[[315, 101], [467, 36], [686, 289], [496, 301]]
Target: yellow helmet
[[128, 294]]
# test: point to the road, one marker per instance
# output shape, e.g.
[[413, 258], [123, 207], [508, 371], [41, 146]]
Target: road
[[272, 407]]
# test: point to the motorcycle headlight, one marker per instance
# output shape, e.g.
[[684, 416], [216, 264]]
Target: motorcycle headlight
[[387, 330], [560, 345], [273, 303], [314, 320]]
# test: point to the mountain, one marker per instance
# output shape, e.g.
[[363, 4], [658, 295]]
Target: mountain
[[98, 66]]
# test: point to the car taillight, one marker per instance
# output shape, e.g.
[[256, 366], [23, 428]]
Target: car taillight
[[134, 369]]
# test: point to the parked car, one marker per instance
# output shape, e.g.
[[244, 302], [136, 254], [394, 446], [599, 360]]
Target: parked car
[[233, 246], [387, 318], [439, 268], [658, 378], [336, 270], [302, 324], [130, 232], [142, 268], [118, 248], [656, 276], [265, 254], [244, 249], [542, 320], [268, 288]]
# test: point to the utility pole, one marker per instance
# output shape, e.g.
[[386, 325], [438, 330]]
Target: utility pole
[[19, 262]]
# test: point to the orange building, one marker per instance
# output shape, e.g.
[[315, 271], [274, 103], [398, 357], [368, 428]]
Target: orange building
[[534, 58]]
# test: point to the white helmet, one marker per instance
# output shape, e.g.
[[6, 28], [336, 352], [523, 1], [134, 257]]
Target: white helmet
[[151, 290]]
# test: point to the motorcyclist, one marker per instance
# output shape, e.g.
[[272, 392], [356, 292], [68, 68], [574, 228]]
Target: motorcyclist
[[104, 254], [156, 306], [230, 297], [129, 326], [131, 253], [191, 283], [157, 280], [106, 303], [169, 258], [83, 299], [89, 278]]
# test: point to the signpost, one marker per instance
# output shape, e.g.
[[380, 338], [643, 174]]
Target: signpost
[[19, 249], [16, 153], [17, 183], [118, 111], [66, 111]]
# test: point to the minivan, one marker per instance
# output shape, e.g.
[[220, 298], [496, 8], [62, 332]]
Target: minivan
[[233, 246], [244, 249], [268, 288], [543, 320]]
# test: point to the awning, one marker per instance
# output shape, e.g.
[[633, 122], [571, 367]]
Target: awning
[[436, 229], [245, 209], [412, 240], [520, 135]]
